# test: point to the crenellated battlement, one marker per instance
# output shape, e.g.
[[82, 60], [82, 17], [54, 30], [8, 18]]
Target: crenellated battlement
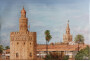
[[20, 33], [18, 36]]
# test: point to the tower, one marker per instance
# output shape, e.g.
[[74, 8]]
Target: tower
[[23, 21], [67, 37], [23, 43]]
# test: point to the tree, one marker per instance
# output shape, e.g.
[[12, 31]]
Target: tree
[[48, 38], [56, 56], [83, 54], [66, 57], [53, 56], [7, 47], [79, 38], [1, 49]]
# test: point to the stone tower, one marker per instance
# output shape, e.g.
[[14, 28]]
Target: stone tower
[[67, 37], [23, 43]]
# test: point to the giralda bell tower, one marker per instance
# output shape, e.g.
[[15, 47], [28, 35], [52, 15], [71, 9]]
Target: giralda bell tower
[[67, 37]]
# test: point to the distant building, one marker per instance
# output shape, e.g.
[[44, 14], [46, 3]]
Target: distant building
[[70, 50], [66, 49], [67, 37], [6, 54], [72, 43], [23, 43]]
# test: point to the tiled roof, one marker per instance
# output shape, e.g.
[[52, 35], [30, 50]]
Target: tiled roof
[[7, 50], [60, 47]]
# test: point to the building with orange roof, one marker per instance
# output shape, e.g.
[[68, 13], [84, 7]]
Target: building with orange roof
[[70, 50], [6, 54]]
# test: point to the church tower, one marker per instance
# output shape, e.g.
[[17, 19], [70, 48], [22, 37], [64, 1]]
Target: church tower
[[67, 37], [23, 43]]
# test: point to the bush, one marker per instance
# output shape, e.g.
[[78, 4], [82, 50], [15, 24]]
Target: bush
[[55, 56], [83, 54], [66, 57]]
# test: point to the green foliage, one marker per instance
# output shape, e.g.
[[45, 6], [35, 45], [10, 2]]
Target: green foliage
[[53, 56], [79, 38], [47, 35], [56, 56], [66, 57], [47, 32], [83, 54], [1, 49], [48, 38], [7, 47]]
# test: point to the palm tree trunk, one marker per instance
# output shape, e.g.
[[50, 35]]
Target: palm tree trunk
[[78, 47], [47, 47]]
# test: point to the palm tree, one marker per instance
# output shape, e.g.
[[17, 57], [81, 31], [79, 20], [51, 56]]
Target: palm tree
[[48, 38]]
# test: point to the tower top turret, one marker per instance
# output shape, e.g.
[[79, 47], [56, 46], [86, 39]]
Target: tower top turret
[[68, 29], [23, 10]]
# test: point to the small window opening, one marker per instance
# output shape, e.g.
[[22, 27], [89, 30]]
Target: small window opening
[[17, 55], [30, 54]]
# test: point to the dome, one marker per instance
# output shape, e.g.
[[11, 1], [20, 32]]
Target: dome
[[23, 11]]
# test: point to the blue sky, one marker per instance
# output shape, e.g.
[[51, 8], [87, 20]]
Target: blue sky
[[45, 14]]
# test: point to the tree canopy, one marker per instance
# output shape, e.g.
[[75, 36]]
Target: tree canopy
[[83, 54], [7, 47], [79, 38], [56, 56], [47, 35], [1, 49]]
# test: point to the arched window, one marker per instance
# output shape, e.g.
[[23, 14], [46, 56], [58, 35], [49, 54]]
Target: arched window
[[17, 55], [31, 38], [24, 43], [17, 43], [30, 43], [30, 54], [68, 31]]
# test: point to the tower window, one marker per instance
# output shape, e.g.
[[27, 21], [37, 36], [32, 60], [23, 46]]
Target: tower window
[[30, 43], [31, 38], [17, 43], [24, 43], [30, 54], [17, 55]]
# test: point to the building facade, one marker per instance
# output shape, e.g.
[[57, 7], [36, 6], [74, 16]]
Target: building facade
[[67, 37], [23, 43], [62, 49]]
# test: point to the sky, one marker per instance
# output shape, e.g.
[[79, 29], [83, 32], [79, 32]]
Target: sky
[[45, 15]]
